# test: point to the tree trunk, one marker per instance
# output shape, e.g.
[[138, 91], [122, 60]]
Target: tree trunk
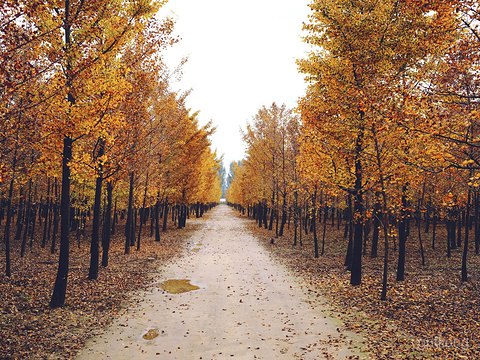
[[272, 215], [376, 226], [60, 287], [348, 217], [94, 245], [465, 245], [422, 253], [356, 273], [129, 224], [114, 217], [56, 216], [449, 236], [28, 210], [20, 215], [157, 220], [476, 227], [94, 250], [366, 233], [314, 222], [6, 236], [142, 213], [459, 229], [180, 216], [349, 232], [276, 222], [325, 229], [385, 223], [295, 217], [265, 211], [133, 228], [46, 216], [33, 216], [333, 214], [153, 217], [402, 237], [106, 226], [419, 221], [284, 215], [165, 215], [50, 216]]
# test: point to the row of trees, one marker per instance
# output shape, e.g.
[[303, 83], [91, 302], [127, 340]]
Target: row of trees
[[87, 118], [389, 126]]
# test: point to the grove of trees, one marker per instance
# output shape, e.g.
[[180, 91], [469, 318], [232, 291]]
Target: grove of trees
[[386, 133], [91, 129]]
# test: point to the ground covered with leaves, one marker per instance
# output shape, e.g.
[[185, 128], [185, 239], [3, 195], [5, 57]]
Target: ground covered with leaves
[[430, 315], [29, 329]]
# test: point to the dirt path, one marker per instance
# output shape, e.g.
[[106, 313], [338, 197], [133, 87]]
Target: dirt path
[[248, 307]]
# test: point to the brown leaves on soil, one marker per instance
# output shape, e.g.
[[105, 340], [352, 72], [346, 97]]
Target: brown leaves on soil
[[31, 330], [430, 315]]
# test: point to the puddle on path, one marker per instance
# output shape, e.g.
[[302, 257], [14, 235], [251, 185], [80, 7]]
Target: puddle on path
[[178, 286], [151, 334], [196, 249]]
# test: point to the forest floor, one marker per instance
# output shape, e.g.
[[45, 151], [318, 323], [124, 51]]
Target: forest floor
[[432, 314], [29, 329]]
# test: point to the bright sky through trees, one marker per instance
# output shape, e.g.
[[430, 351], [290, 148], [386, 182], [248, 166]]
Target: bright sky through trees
[[241, 57]]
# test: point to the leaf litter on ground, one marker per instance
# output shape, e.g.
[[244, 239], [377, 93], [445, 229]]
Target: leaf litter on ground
[[31, 330], [430, 315]]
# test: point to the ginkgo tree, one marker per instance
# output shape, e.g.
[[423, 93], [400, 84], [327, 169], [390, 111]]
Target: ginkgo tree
[[270, 140], [86, 88], [448, 105], [361, 51], [84, 36]]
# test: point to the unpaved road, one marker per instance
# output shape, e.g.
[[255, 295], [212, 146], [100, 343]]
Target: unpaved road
[[248, 307]]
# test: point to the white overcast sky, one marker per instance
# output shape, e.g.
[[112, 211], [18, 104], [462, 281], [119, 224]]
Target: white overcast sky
[[241, 56]]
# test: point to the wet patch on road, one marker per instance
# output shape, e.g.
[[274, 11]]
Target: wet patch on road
[[178, 286]]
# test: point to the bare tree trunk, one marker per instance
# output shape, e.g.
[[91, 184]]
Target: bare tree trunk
[[314, 221], [349, 232], [46, 216], [402, 237], [28, 210], [114, 217], [465, 245], [106, 226], [324, 229], [165, 215], [157, 220], [94, 250], [60, 287], [20, 214], [55, 218], [385, 225], [356, 273], [476, 227], [129, 224], [142, 213], [419, 212], [6, 237]]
